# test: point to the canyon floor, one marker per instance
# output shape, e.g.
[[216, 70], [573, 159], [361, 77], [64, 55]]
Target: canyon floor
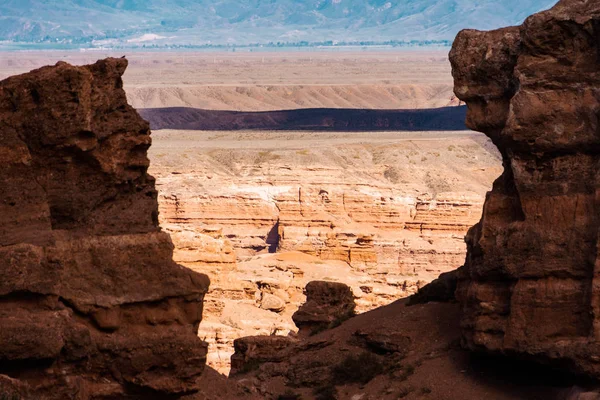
[[263, 212]]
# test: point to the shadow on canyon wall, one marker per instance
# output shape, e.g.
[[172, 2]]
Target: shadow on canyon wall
[[319, 119]]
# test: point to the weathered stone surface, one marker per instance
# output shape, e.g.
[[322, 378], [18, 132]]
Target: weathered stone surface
[[384, 216], [442, 289], [327, 303], [272, 303], [252, 351], [91, 303], [530, 283]]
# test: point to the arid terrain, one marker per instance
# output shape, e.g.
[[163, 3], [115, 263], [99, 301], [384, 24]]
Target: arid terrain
[[382, 212], [270, 81], [263, 212], [280, 244]]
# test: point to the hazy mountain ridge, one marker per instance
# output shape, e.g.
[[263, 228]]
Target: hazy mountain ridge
[[253, 21]]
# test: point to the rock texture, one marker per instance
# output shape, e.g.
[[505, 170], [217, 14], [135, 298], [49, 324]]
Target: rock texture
[[91, 303], [327, 304], [442, 289], [393, 352], [530, 283], [264, 213]]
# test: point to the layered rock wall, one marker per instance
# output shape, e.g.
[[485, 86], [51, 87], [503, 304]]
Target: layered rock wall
[[91, 303], [264, 213], [530, 283]]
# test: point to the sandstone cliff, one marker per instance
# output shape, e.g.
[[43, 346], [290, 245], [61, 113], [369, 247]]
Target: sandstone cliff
[[264, 213], [530, 283], [91, 303]]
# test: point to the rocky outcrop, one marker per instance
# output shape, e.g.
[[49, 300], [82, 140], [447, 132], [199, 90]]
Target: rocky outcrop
[[252, 351], [393, 352], [530, 283], [91, 303], [328, 304], [442, 289]]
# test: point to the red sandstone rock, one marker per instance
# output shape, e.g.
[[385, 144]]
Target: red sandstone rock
[[529, 286], [92, 304], [252, 351], [327, 304]]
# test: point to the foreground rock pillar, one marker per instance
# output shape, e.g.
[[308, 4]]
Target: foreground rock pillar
[[91, 303], [530, 285]]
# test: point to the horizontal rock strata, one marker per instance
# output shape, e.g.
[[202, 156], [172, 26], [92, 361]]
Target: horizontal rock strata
[[264, 213]]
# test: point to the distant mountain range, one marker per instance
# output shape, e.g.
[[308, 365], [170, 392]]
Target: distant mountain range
[[195, 22]]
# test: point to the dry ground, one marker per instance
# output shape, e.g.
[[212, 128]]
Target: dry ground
[[270, 81]]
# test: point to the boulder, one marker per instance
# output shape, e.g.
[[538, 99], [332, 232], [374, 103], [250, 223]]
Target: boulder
[[327, 304]]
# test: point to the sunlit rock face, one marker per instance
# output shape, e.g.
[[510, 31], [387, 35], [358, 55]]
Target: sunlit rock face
[[384, 219], [92, 304], [529, 285]]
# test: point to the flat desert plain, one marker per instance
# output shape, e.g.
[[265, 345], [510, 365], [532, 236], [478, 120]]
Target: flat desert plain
[[270, 81], [264, 211]]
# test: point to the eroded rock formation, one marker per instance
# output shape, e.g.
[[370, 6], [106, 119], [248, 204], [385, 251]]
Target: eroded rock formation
[[384, 216], [91, 303], [327, 304], [530, 283]]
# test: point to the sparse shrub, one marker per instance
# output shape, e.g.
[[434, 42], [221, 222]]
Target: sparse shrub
[[405, 391], [328, 392], [265, 157], [425, 390], [407, 371], [357, 369], [289, 395], [391, 174], [249, 366], [10, 396]]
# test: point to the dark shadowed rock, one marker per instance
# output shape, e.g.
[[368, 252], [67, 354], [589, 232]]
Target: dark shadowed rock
[[91, 303], [327, 304], [530, 282], [441, 289], [251, 351]]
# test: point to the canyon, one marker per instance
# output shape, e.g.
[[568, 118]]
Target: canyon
[[518, 320], [352, 237], [263, 212]]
